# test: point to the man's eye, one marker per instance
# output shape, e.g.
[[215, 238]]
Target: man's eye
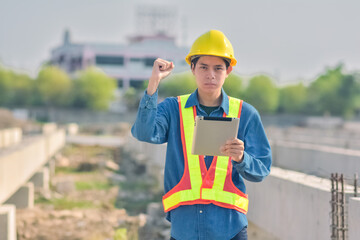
[[202, 67], [219, 68]]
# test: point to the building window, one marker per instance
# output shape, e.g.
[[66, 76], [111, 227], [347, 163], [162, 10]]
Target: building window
[[135, 60], [120, 83], [61, 59], [109, 60], [137, 83], [149, 62]]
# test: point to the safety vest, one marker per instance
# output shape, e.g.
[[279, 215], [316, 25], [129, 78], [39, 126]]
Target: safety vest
[[199, 185]]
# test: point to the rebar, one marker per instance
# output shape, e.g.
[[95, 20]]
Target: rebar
[[342, 207], [333, 202], [338, 207], [355, 184]]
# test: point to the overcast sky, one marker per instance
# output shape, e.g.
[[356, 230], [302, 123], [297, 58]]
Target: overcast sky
[[290, 40]]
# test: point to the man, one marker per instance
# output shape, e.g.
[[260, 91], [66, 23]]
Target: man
[[205, 195]]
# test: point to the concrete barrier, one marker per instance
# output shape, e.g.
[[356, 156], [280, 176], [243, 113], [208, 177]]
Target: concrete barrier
[[19, 164], [315, 159], [10, 137], [342, 138], [354, 218], [292, 205], [54, 142], [7, 222], [72, 129], [48, 128]]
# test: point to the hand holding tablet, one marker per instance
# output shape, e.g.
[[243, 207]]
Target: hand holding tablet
[[211, 133]]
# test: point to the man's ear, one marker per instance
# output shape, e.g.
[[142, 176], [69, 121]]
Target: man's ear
[[193, 68], [228, 70]]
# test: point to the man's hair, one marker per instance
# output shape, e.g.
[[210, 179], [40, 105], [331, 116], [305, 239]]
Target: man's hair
[[195, 59]]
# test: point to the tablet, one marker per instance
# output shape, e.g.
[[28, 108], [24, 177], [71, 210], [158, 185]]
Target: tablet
[[210, 133]]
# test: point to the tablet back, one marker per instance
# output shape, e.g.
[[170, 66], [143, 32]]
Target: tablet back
[[210, 133]]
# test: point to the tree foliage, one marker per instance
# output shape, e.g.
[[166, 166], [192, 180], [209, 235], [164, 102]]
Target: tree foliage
[[292, 99], [262, 94], [233, 85], [5, 86], [177, 84], [54, 86], [334, 93], [93, 89]]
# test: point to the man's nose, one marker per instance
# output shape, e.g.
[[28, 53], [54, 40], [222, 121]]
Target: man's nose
[[211, 74]]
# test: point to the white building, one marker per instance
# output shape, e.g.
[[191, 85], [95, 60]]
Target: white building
[[130, 64]]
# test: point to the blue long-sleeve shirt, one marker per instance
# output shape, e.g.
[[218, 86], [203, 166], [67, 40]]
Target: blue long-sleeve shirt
[[160, 123]]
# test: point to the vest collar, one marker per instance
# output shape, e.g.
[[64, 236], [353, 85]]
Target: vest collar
[[194, 101]]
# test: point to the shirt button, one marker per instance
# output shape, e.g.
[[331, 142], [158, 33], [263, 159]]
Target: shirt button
[[200, 211]]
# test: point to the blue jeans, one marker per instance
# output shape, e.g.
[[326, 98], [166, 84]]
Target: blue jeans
[[242, 235]]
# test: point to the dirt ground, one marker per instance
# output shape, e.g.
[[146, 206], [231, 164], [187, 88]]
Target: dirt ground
[[80, 204]]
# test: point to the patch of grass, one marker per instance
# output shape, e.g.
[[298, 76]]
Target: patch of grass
[[92, 185], [138, 185], [64, 203], [65, 170], [72, 170]]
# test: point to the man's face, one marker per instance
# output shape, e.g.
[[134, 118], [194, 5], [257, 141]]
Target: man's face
[[210, 73]]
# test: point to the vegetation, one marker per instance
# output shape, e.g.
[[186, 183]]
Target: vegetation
[[92, 185], [92, 89], [333, 92], [65, 203]]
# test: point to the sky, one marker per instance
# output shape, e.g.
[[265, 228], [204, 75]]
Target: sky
[[289, 40]]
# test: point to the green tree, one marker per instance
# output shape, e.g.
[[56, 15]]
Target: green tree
[[22, 91], [54, 86], [322, 93], [335, 93], [132, 98], [177, 84], [349, 95], [262, 94], [5, 86], [93, 89], [292, 99], [233, 85]]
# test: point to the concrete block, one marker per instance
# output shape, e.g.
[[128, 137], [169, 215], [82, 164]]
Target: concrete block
[[10, 137], [1, 140], [354, 218], [12, 176], [72, 129], [41, 179], [51, 164], [23, 197], [319, 160], [49, 128], [7, 222], [288, 202]]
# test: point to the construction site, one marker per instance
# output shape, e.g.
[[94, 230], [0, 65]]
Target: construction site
[[101, 183], [71, 169]]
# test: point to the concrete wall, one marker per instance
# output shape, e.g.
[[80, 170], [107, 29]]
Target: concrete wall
[[315, 159], [292, 205], [10, 137], [342, 138], [19, 164], [354, 218]]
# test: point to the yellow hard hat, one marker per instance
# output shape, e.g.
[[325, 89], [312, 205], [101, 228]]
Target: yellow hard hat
[[213, 43]]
